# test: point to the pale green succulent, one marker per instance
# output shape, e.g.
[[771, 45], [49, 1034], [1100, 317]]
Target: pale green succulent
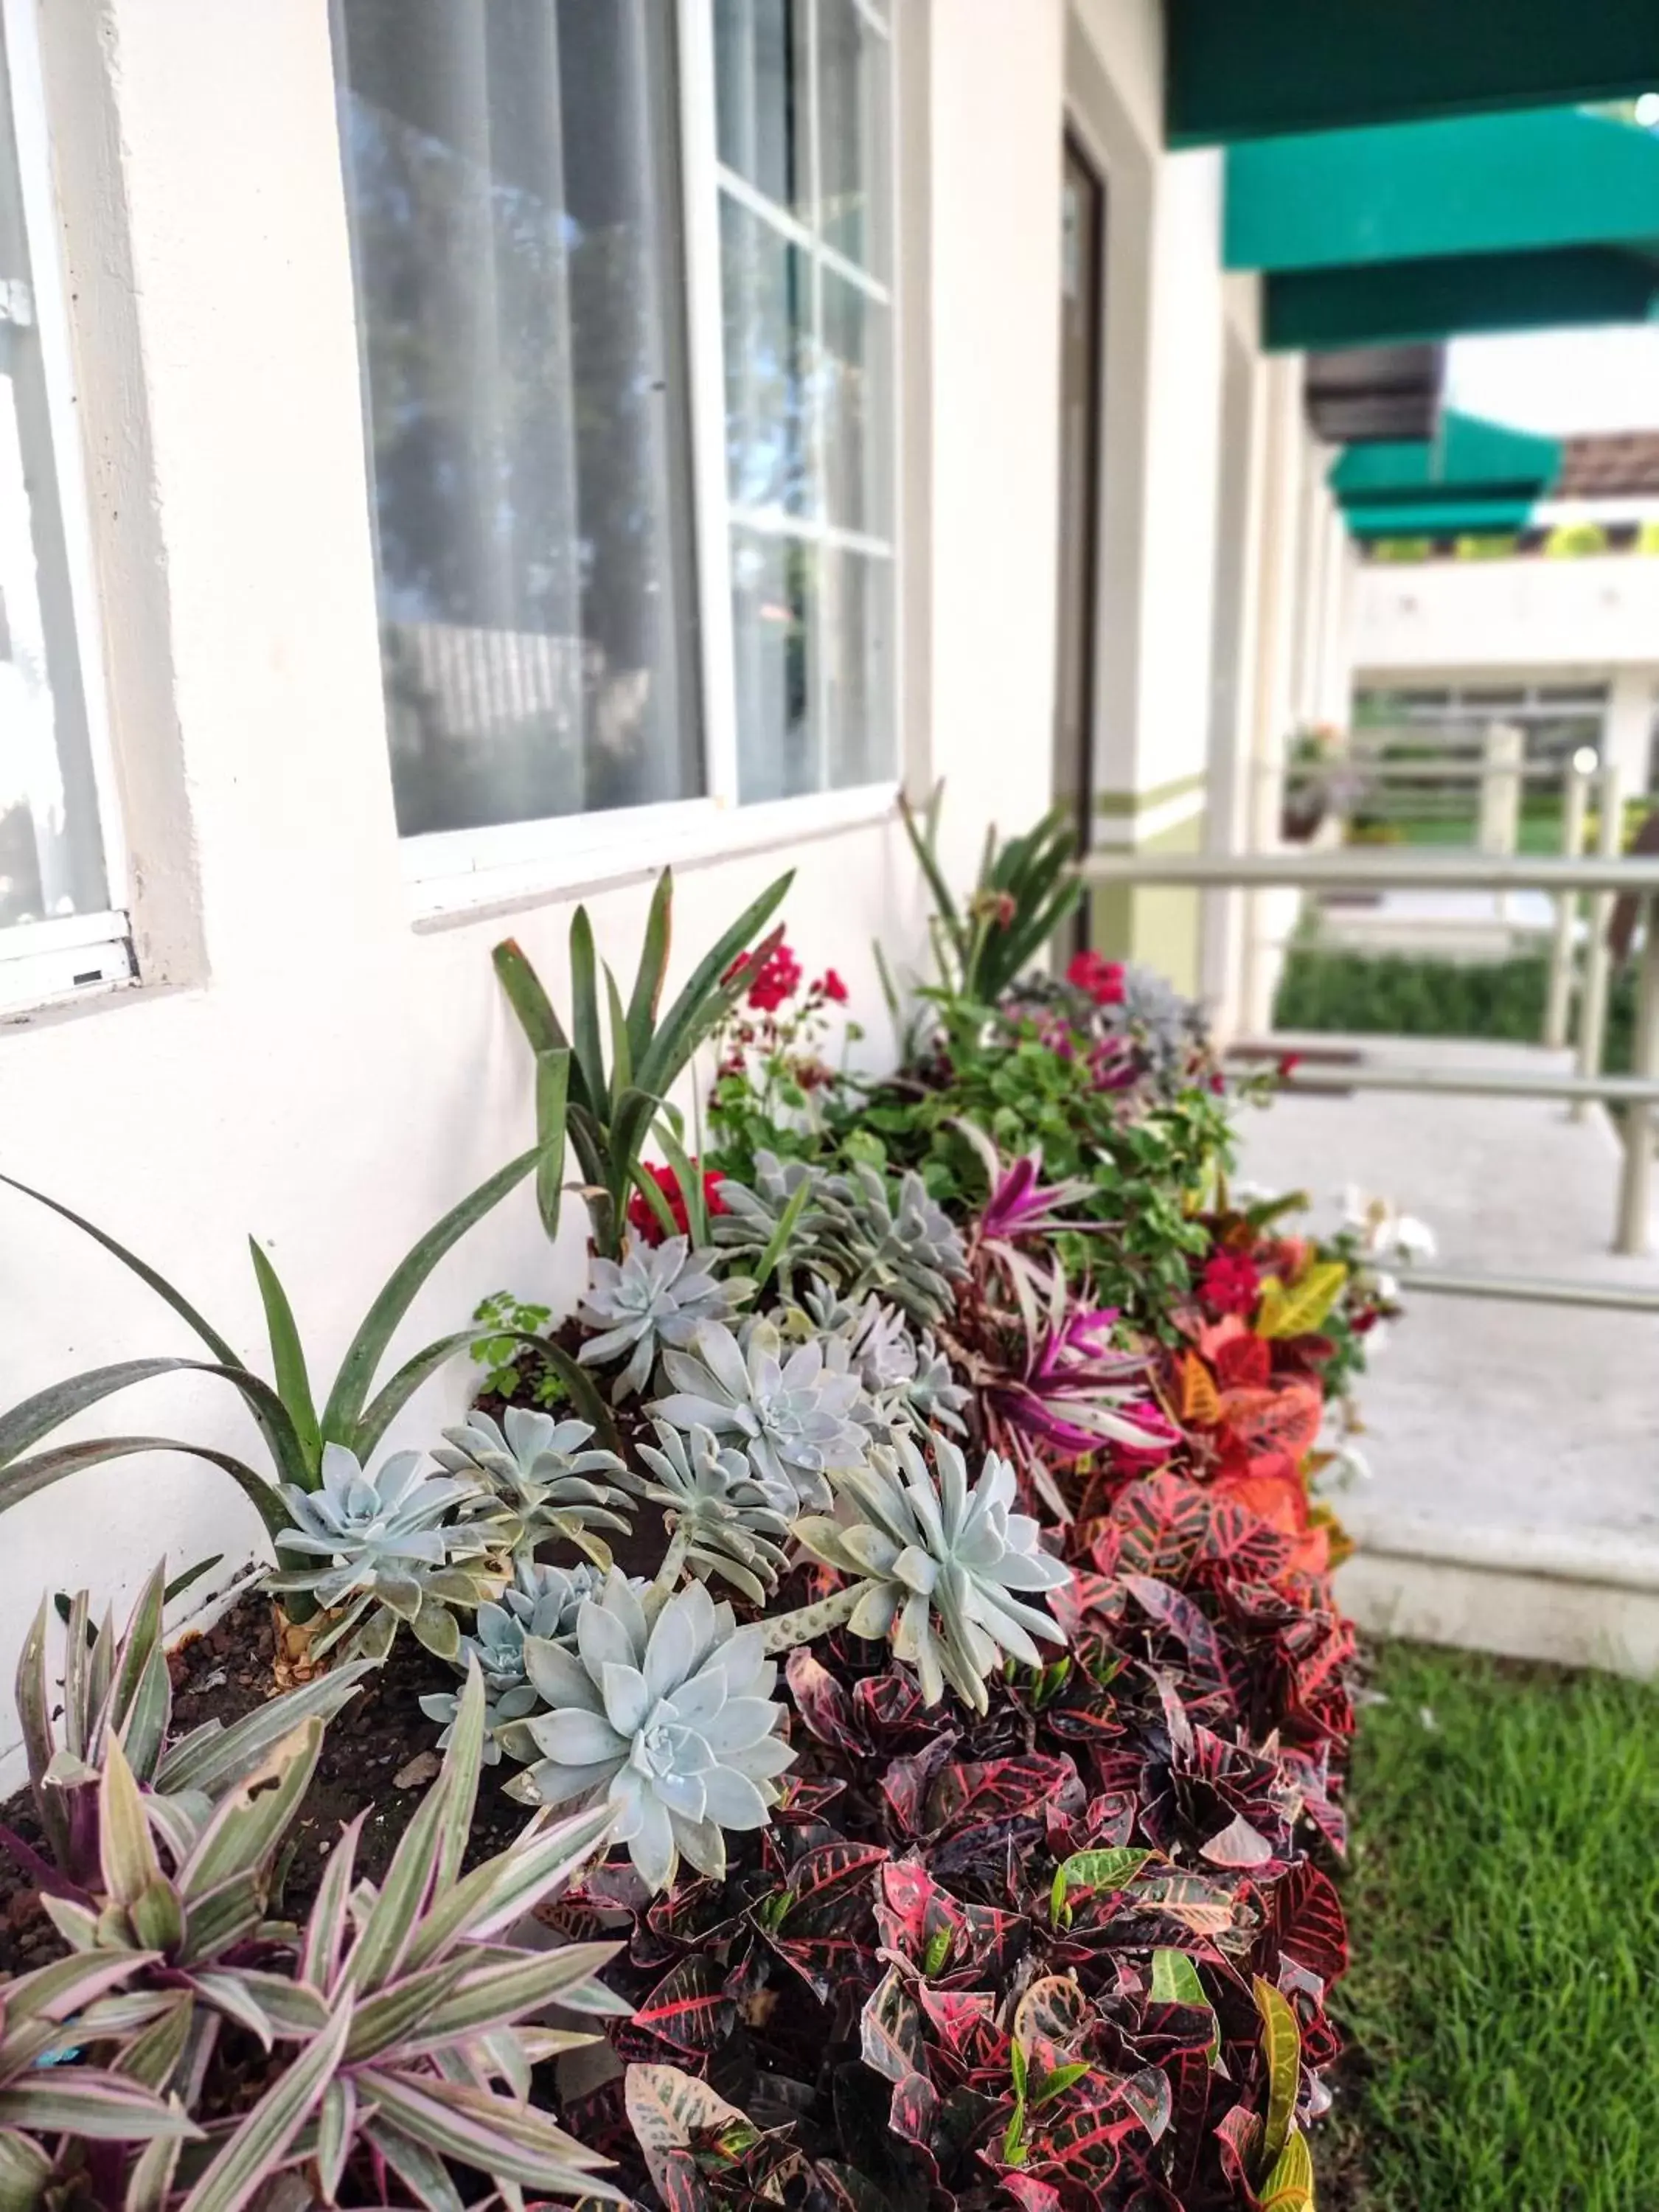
[[789, 1410], [538, 1474], [654, 1295], [851, 1230], [670, 1720], [724, 1523], [391, 1551], [937, 1565], [539, 1600], [906, 1379]]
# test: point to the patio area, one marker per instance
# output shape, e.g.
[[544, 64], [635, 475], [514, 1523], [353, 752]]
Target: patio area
[[1513, 1502]]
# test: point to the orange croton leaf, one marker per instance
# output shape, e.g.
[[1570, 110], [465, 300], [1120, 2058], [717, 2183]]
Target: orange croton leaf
[[1284, 1419], [1200, 1401]]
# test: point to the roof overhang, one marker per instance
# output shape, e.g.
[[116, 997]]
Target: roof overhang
[[1444, 518], [1251, 68], [1371, 393], [1422, 191], [1398, 302], [1469, 458]]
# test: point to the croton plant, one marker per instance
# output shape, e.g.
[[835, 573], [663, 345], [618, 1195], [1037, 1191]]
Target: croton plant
[[896, 1588]]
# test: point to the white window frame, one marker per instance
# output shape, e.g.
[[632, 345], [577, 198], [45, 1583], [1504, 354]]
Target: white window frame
[[452, 873], [72, 954]]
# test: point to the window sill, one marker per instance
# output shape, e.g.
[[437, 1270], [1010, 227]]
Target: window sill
[[499, 883]]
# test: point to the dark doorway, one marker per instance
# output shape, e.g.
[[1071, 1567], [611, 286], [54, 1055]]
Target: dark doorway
[[1082, 249]]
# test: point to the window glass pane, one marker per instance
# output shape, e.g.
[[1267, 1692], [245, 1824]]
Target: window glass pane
[[857, 400], [765, 282], [511, 170], [51, 858], [774, 616], [858, 669], [761, 95], [853, 135]]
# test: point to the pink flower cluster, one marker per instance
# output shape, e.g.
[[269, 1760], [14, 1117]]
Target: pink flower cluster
[[779, 977]]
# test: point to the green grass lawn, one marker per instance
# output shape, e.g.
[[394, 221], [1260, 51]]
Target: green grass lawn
[[1504, 1904]]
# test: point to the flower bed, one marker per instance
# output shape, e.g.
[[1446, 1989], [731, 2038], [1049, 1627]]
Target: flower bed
[[895, 1599]]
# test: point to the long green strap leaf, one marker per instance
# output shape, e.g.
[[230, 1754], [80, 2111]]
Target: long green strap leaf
[[25, 1477], [778, 1244], [656, 1198], [209, 1335], [585, 1034], [921, 843], [49, 1409], [528, 999], [552, 1104], [686, 1023], [647, 994], [622, 1049], [345, 1404], [690, 1178], [287, 1359]]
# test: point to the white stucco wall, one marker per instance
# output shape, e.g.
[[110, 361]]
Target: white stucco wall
[[302, 1060]]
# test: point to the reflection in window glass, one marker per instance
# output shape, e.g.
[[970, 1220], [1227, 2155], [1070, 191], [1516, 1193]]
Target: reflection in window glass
[[858, 626], [856, 385], [51, 855], [773, 622], [852, 174], [510, 172], [761, 96], [806, 218], [764, 280]]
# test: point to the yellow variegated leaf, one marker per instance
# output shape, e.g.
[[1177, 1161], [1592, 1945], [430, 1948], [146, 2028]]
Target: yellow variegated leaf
[[1281, 2044], [1300, 1310], [1200, 1401], [1290, 2187]]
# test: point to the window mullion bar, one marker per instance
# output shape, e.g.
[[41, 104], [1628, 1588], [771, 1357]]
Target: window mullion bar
[[711, 518], [817, 626]]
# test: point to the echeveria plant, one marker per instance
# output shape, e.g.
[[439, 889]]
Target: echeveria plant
[[539, 1475], [724, 1522], [390, 1552], [672, 1720], [654, 1295], [936, 1567], [789, 1410]]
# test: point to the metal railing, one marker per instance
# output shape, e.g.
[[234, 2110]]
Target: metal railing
[[1604, 874]]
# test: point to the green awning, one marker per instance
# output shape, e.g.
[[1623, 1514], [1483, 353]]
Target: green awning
[[1445, 518], [1417, 192], [1254, 68], [1394, 302], [1469, 458]]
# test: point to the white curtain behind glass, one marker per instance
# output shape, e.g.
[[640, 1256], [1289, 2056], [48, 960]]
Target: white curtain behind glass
[[51, 862], [506, 160]]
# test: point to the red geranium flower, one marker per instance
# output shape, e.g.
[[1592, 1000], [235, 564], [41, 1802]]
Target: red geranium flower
[[778, 980], [830, 986], [642, 1215], [1101, 980], [1230, 1284]]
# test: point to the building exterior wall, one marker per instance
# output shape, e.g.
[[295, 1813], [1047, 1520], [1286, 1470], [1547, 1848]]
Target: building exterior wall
[[305, 1058], [1466, 617]]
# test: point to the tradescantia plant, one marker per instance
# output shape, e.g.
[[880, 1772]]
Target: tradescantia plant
[[937, 1568], [672, 1718], [117, 1688], [43, 2102], [609, 1110], [393, 2023]]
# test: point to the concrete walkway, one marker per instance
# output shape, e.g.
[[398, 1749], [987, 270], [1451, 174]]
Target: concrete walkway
[[1514, 1499]]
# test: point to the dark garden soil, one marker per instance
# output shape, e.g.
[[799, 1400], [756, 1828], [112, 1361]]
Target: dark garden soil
[[378, 1754]]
